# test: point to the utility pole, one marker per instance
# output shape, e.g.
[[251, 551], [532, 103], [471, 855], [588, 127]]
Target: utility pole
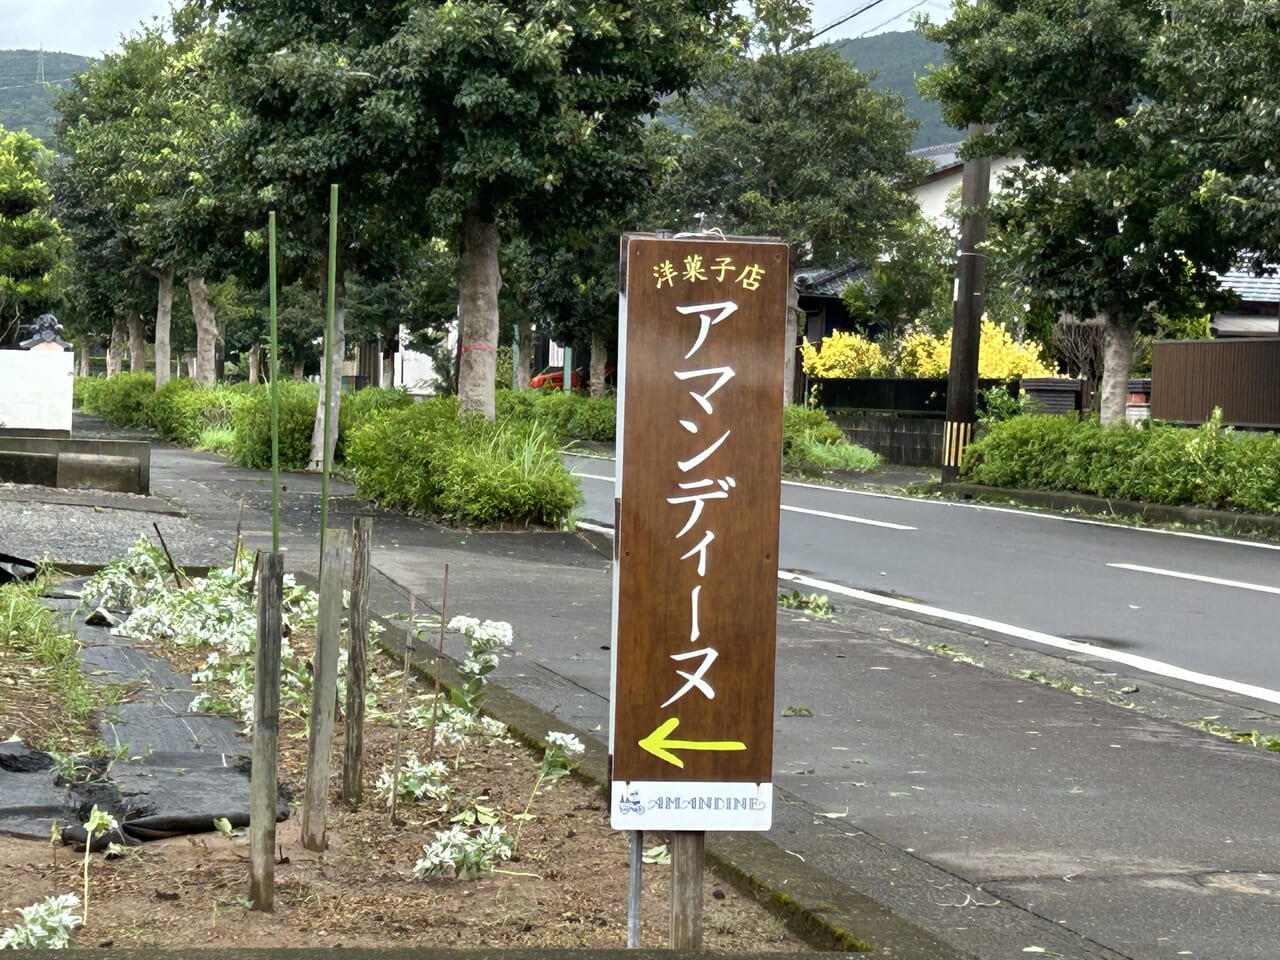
[[962, 382]]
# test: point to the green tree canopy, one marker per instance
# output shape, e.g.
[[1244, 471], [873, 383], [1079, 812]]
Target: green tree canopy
[[30, 239], [797, 145], [1100, 221], [450, 118], [1217, 63]]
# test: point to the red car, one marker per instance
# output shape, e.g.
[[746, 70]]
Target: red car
[[553, 378]]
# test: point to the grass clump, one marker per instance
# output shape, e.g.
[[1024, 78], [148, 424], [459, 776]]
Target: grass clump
[[468, 470], [567, 416], [812, 443], [48, 703], [251, 421]]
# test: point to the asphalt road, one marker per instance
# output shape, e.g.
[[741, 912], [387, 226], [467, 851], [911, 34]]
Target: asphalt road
[[1192, 608]]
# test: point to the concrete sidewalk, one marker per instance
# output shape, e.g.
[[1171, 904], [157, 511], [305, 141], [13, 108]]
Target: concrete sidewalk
[[929, 807]]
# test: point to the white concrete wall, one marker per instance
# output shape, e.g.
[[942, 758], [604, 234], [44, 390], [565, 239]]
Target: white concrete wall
[[35, 389], [413, 370], [932, 197]]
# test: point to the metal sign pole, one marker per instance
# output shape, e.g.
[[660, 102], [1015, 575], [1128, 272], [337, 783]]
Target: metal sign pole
[[634, 883]]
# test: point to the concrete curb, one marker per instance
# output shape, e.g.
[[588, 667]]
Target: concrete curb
[[1226, 520]]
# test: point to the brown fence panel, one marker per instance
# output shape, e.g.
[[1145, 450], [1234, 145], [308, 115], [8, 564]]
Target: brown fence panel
[[1191, 377]]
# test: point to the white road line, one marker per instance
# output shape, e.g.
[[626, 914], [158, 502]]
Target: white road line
[[1218, 581], [1028, 513], [813, 513], [1035, 515], [848, 519], [1146, 664]]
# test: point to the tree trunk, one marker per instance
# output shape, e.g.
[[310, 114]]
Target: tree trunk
[[478, 281], [84, 367], [524, 372], [164, 320], [299, 371], [255, 363], [1117, 363], [337, 353], [220, 353], [599, 358], [206, 331], [137, 343], [791, 328], [118, 346]]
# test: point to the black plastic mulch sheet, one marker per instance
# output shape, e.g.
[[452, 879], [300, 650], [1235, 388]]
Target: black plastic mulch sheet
[[174, 771]]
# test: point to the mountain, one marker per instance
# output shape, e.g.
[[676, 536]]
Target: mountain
[[26, 102], [898, 59]]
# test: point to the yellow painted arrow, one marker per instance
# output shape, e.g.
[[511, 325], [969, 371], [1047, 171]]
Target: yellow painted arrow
[[658, 744]]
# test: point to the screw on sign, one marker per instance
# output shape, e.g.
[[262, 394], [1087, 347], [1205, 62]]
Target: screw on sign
[[700, 436]]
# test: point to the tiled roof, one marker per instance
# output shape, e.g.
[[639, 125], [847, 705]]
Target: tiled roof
[[1243, 283], [825, 281]]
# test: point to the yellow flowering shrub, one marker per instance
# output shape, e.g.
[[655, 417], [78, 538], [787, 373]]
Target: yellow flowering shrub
[[1000, 357], [843, 355], [925, 356]]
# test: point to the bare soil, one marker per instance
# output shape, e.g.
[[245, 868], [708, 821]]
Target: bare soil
[[566, 886]]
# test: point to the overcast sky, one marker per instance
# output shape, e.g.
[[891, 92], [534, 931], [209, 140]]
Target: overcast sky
[[90, 27]]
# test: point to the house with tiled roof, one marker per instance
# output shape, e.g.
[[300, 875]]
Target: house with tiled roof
[[935, 189]]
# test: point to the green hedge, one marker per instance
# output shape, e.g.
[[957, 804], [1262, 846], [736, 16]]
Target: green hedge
[[470, 471], [1207, 466], [127, 399], [567, 416], [252, 423]]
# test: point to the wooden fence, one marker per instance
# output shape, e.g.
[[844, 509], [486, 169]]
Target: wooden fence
[[1242, 377]]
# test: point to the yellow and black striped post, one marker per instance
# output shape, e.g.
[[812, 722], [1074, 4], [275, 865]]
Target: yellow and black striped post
[[956, 436]]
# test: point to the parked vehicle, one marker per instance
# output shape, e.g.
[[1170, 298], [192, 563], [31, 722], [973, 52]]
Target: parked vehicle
[[552, 378]]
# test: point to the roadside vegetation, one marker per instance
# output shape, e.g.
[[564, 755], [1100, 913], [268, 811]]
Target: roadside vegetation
[[424, 457], [1207, 466]]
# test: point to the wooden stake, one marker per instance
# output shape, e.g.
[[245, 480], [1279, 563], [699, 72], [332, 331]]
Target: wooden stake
[[263, 787], [688, 849], [324, 691], [353, 741], [173, 567], [435, 670], [404, 701]]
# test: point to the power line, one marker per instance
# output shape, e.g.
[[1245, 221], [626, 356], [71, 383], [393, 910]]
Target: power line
[[846, 18], [47, 83], [898, 16]]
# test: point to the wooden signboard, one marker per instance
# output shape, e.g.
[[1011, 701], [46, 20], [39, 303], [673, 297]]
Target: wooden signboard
[[701, 348]]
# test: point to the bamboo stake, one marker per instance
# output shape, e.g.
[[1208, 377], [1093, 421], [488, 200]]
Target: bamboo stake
[[275, 388], [326, 448]]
